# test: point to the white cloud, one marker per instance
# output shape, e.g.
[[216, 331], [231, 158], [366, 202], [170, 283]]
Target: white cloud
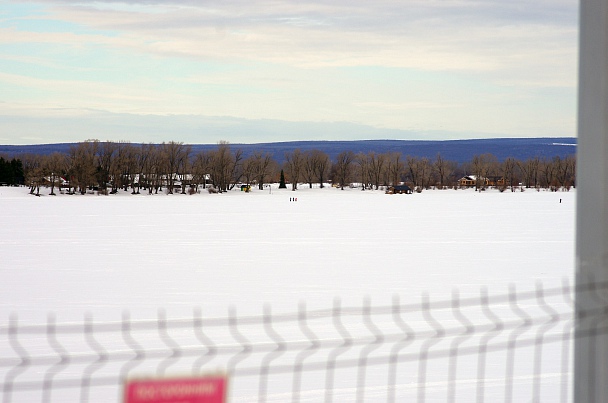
[[403, 106], [437, 35]]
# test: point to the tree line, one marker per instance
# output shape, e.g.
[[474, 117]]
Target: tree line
[[11, 172], [172, 167]]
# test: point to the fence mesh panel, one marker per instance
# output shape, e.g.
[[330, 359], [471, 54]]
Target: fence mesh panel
[[511, 347]]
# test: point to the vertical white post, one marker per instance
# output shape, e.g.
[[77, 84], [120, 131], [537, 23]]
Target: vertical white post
[[591, 346]]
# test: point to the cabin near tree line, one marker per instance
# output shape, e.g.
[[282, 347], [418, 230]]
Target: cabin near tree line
[[399, 189], [473, 180]]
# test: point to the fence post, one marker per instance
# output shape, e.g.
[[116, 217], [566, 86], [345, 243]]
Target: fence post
[[591, 344]]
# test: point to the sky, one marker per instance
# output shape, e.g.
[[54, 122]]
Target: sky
[[201, 71]]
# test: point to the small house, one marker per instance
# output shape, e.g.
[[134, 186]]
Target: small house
[[473, 180], [399, 189]]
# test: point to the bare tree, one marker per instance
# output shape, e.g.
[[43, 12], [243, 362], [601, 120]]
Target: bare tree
[[128, 166], [344, 167], [221, 162], [53, 167], [249, 170], [322, 166], [105, 163], [132, 167], [420, 172], [508, 173], [175, 153], [411, 164], [493, 165], [201, 166], [119, 171], [571, 162], [150, 167], [226, 166], [315, 167], [362, 170], [394, 167], [145, 150], [83, 165], [294, 164], [482, 166], [308, 168], [444, 169], [184, 167], [160, 170], [425, 173], [32, 169], [264, 168], [236, 172], [530, 170], [548, 172], [376, 163], [564, 171]]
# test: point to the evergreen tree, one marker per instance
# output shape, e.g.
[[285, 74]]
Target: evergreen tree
[[18, 177], [4, 171], [11, 172], [282, 181]]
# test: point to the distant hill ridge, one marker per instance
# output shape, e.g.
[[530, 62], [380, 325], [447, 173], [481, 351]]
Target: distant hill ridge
[[453, 150]]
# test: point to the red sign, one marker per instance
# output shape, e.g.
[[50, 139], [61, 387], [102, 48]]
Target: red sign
[[205, 389]]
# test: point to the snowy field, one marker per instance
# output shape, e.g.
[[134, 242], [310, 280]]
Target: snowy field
[[72, 254]]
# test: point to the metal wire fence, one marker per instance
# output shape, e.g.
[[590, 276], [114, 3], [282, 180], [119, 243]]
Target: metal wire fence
[[511, 347]]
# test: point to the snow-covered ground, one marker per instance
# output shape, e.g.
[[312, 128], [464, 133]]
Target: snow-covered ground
[[107, 253], [71, 254]]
